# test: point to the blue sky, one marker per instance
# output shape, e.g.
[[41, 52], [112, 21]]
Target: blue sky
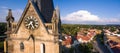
[[73, 11]]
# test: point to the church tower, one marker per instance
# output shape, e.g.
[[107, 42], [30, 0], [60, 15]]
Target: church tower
[[37, 31]]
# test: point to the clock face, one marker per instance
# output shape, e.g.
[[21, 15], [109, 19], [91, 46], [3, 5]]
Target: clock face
[[31, 23]]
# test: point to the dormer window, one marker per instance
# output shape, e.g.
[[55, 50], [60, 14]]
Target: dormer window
[[21, 46]]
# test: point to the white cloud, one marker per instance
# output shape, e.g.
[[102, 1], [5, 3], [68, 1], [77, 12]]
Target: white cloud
[[109, 20], [81, 15], [86, 17]]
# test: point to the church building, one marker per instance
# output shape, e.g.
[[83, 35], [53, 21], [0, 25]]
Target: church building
[[37, 31]]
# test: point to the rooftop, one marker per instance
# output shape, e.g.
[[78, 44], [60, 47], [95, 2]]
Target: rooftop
[[115, 46], [114, 38]]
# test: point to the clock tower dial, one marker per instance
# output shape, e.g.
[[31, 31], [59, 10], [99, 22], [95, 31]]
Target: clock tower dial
[[31, 23]]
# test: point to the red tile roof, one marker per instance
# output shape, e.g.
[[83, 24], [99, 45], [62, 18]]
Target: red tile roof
[[86, 37], [68, 40]]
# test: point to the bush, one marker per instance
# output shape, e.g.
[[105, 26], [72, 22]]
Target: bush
[[1, 45], [85, 48]]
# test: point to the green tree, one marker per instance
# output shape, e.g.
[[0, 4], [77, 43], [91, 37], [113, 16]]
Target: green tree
[[2, 29]]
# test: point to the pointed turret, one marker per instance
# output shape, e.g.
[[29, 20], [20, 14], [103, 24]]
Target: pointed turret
[[54, 22], [54, 17], [57, 11], [10, 20], [58, 18], [10, 17]]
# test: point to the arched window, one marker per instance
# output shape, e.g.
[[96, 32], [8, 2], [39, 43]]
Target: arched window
[[42, 48], [21, 46]]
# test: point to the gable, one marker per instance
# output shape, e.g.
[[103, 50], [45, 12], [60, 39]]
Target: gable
[[30, 10]]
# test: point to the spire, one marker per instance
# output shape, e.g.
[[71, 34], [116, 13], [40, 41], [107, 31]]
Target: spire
[[58, 20], [54, 14], [57, 11], [54, 17], [10, 13], [10, 17]]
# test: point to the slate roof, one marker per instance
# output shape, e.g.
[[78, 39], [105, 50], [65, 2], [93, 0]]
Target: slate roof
[[46, 8]]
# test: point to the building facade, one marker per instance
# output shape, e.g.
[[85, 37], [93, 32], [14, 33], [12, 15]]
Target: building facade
[[37, 31]]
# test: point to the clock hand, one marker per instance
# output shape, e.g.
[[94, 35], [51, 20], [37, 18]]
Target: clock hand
[[32, 26], [31, 23]]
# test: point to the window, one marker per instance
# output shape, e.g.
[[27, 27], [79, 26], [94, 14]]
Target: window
[[49, 27], [42, 47], [21, 46]]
